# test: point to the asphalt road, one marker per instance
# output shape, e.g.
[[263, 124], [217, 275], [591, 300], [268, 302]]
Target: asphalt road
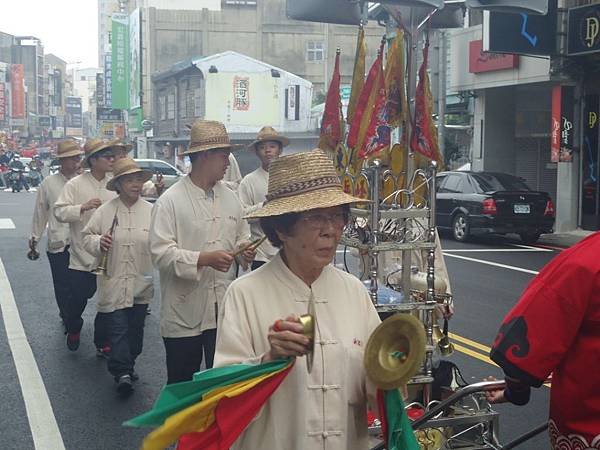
[[82, 400]]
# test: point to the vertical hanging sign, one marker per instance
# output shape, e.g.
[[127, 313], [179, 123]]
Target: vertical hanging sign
[[120, 61], [561, 134]]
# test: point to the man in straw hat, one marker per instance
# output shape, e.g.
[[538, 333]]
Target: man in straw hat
[[253, 188], [127, 288], [197, 228], [304, 216], [57, 248], [75, 205]]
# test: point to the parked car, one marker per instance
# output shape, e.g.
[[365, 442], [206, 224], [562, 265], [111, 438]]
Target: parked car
[[170, 174], [478, 203]]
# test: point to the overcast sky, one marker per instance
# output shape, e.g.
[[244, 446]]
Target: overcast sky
[[67, 28]]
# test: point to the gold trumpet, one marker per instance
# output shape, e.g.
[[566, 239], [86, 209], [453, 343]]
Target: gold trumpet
[[101, 269], [443, 341]]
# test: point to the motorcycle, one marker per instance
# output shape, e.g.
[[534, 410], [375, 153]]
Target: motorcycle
[[34, 177], [16, 180]]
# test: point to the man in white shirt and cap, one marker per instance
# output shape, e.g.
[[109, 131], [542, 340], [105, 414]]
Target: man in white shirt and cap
[[57, 248], [253, 187], [75, 205], [197, 231]]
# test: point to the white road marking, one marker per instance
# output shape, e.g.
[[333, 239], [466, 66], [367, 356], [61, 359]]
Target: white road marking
[[493, 250], [44, 429], [7, 224], [538, 249], [489, 263]]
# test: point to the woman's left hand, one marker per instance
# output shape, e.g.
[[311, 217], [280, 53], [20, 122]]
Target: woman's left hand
[[494, 395]]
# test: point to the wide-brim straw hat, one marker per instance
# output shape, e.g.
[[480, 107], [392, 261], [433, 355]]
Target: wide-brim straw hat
[[208, 135], [68, 149], [300, 182], [117, 143], [125, 166], [93, 146], [269, 134]]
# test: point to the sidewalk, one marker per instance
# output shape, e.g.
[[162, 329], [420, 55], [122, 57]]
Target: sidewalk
[[564, 239]]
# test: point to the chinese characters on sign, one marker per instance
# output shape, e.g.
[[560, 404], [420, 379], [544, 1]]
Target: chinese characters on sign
[[2, 102], [120, 61], [18, 91], [241, 93]]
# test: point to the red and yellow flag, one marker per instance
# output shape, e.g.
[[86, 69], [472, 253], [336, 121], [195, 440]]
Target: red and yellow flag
[[370, 131], [395, 85], [358, 76], [424, 137], [332, 124], [211, 411]]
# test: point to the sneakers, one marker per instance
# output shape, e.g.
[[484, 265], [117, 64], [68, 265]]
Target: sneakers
[[72, 341], [124, 385], [103, 352]]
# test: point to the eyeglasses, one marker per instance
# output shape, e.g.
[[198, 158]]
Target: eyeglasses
[[320, 221]]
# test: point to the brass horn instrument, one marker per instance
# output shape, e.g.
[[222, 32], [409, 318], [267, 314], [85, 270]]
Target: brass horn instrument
[[443, 341], [395, 351], [101, 269]]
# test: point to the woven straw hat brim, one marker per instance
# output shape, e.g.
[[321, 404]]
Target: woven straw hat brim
[[274, 137], [206, 147], [93, 152], [111, 183], [322, 198], [70, 153]]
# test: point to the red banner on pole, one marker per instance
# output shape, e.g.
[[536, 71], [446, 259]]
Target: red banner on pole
[[561, 134], [17, 75]]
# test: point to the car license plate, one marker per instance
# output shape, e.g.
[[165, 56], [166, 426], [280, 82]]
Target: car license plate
[[522, 209]]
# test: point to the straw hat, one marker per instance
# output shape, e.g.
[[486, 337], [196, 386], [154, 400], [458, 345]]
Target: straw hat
[[117, 143], [301, 182], [93, 146], [68, 148], [208, 135], [125, 166], [269, 134]]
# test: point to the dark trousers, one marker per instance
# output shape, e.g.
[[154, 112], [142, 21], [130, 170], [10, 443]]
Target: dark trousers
[[83, 287], [125, 332], [256, 264], [184, 355], [59, 266]]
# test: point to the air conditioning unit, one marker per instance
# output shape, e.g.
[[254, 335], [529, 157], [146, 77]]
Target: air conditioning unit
[[343, 12]]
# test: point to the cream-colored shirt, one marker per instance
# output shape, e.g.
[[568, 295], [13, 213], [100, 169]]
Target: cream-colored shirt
[[252, 193], [232, 176], [325, 409], [129, 268], [47, 195], [186, 221], [67, 209]]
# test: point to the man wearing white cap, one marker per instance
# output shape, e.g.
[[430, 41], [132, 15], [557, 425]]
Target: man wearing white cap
[[75, 205], [57, 248], [253, 188], [197, 227]]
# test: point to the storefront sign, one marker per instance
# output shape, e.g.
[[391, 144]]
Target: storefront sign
[[241, 93], [109, 115], [584, 30], [292, 97], [589, 155], [120, 61], [135, 65], [2, 101], [74, 119], [561, 137], [524, 34], [480, 61], [18, 91]]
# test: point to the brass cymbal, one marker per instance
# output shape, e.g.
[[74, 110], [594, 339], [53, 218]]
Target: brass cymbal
[[395, 351], [308, 329]]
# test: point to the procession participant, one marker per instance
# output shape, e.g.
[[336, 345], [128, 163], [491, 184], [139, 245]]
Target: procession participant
[[253, 187], [555, 329], [150, 189], [127, 288], [57, 249], [304, 216], [197, 226], [75, 205]]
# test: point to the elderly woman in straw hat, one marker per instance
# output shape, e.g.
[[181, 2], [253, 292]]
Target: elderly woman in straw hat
[[253, 188], [69, 156], [75, 205], [126, 289], [305, 213], [197, 230]]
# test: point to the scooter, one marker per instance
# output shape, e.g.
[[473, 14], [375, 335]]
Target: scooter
[[35, 177], [16, 180]]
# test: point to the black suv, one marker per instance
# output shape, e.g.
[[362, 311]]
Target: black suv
[[477, 203]]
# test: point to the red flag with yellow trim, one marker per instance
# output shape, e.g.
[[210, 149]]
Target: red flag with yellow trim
[[332, 125], [358, 76], [397, 104]]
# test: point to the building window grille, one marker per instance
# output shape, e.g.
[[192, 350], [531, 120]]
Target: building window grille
[[315, 51]]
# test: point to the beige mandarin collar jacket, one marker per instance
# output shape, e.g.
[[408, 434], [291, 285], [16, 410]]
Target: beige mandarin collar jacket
[[43, 214]]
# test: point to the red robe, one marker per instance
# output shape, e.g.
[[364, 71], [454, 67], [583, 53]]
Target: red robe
[[555, 329]]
